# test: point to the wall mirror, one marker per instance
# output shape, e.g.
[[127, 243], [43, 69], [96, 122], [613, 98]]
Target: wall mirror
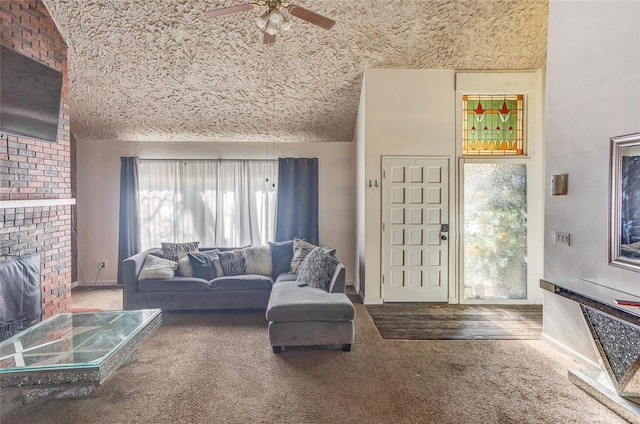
[[624, 218]]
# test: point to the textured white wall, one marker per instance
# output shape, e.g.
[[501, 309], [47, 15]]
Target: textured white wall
[[593, 86], [99, 185]]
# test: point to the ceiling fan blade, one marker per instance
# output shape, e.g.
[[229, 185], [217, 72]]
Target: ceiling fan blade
[[312, 17], [227, 10], [268, 39]]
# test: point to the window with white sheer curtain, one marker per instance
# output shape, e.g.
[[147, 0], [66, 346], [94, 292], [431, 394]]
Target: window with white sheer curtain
[[216, 202]]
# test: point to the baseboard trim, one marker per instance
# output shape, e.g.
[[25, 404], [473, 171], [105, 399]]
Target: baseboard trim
[[357, 290], [99, 285]]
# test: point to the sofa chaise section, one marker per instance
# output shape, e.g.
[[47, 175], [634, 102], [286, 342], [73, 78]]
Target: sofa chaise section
[[300, 315]]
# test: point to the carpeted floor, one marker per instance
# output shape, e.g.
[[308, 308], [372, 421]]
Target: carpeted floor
[[201, 367], [428, 321]]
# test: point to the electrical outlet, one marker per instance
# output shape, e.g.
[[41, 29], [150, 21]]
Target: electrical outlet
[[563, 238], [101, 264]]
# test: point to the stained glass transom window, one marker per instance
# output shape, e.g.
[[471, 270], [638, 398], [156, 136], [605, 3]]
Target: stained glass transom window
[[492, 125]]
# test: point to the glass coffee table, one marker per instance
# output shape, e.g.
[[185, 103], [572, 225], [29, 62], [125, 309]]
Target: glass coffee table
[[70, 354]]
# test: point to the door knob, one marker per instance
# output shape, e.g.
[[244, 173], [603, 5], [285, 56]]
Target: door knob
[[443, 237]]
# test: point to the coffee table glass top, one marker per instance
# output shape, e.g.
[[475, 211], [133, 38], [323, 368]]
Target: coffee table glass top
[[72, 340]]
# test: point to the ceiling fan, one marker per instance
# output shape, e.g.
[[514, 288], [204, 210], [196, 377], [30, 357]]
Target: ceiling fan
[[276, 16]]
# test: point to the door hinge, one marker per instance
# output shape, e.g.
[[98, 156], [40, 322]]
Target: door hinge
[[383, 226], [384, 174], [383, 279]]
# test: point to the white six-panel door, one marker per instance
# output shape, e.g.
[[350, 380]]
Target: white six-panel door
[[415, 249]]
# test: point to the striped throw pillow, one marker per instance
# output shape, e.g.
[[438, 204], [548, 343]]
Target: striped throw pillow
[[233, 262], [301, 249], [175, 251]]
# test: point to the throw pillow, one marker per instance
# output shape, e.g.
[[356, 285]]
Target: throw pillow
[[317, 269], [156, 252], [281, 254], [155, 267], [175, 251], [216, 263], [184, 267], [233, 262], [301, 249], [258, 260], [204, 264]]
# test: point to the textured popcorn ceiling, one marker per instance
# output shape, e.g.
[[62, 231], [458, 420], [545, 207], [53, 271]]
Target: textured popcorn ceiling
[[160, 70]]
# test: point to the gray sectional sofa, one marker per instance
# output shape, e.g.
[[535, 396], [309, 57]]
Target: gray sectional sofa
[[298, 314]]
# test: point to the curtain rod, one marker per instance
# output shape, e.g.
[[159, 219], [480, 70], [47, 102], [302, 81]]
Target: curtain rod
[[208, 160]]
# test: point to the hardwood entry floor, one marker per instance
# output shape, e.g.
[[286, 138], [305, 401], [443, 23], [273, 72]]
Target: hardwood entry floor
[[428, 321]]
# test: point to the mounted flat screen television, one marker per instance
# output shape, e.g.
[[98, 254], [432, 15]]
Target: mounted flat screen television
[[29, 97]]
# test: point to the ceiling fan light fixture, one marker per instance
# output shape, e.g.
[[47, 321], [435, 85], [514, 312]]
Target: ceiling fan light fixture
[[275, 17], [271, 29], [261, 22], [273, 22]]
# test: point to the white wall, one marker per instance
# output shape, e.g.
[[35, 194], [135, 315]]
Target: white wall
[[408, 112], [593, 93], [359, 137], [98, 189]]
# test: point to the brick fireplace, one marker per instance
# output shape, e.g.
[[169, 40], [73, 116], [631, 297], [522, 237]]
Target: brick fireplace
[[36, 192]]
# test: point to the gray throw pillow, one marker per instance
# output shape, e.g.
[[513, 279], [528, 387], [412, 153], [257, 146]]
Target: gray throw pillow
[[258, 260], [155, 267], [281, 254], [203, 264], [317, 268], [156, 252]]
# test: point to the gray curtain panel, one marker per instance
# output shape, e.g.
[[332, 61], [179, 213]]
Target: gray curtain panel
[[297, 210], [129, 230]]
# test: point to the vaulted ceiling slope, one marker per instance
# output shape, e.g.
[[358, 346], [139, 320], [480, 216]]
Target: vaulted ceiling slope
[[160, 70]]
